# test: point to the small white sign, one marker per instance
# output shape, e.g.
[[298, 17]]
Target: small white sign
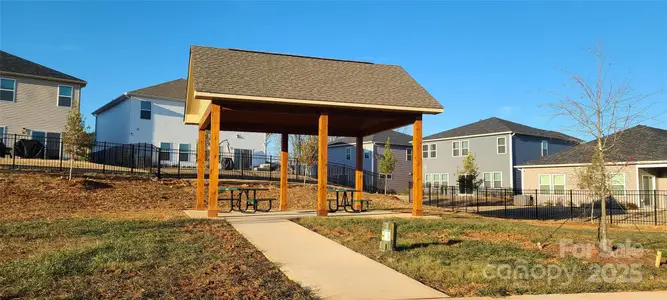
[[386, 235]]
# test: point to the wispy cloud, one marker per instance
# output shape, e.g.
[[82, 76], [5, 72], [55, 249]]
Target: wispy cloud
[[506, 110]]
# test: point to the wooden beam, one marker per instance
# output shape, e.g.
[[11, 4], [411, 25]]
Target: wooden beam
[[323, 139], [201, 165], [205, 120], [359, 171], [214, 161], [283, 171], [417, 196]]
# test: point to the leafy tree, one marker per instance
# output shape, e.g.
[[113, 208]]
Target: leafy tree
[[386, 162], [76, 140], [305, 150], [468, 173]]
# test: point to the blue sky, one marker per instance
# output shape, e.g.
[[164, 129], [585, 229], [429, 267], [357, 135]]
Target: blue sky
[[478, 59]]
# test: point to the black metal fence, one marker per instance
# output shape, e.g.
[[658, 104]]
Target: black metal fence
[[647, 207], [20, 152]]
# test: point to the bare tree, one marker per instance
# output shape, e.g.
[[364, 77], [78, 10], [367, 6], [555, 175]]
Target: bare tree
[[601, 109], [76, 140], [304, 149]]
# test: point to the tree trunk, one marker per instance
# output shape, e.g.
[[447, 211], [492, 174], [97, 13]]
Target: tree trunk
[[603, 193], [71, 166]]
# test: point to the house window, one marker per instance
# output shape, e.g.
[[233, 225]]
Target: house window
[[559, 184], [165, 151], [367, 154], [65, 95], [146, 110], [7, 89], [3, 133], [487, 180], [464, 148], [388, 176], [348, 153], [502, 145], [444, 179], [545, 184], [436, 179], [433, 151], [408, 154], [456, 149], [184, 152], [497, 180], [618, 184], [545, 148], [427, 178]]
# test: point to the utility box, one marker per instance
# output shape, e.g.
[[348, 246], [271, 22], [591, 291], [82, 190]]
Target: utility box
[[388, 241]]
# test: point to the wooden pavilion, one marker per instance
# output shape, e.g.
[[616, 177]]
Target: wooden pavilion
[[241, 90]]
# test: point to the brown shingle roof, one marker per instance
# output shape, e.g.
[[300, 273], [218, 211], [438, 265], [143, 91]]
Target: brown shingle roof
[[171, 90], [261, 74], [636, 144], [14, 64]]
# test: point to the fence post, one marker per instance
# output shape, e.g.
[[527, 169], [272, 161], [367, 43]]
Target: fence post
[[179, 163], [655, 207], [611, 211], [104, 160], [505, 201], [62, 144], [571, 207], [14, 152], [429, 189], [477, 201], [241, 164], [270, 168], [536, 212], [158, 163], [131, 158]]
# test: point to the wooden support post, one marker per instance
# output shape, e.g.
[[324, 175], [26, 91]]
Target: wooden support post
[[322, 165], [201, 166], [283, 171], [417, 197], [359, 171], [214, 160]]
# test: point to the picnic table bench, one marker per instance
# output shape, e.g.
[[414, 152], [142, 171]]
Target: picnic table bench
[[348, 203], [249, 201]]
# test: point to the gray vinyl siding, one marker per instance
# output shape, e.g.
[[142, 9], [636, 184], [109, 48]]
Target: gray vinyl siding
[[527, 148], [36, 106], [337, 155], [485, 150], [402, 170]]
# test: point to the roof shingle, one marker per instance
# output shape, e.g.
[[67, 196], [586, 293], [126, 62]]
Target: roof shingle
[[13, 64], [395, 137], [261, 74], [496, 125], [171, 90], [639, 143]]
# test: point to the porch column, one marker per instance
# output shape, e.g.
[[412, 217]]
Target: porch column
[[214, 160], [201, 165], [359, 172], [323, 133], [283, 171], [417, 168]]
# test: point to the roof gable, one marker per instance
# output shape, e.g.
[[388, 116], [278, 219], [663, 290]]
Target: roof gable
[[639, 143], [308, 80], [497, 125], [10, 63], [174, 90]]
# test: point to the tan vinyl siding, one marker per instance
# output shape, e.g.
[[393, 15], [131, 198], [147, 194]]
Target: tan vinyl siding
[[36, 106], [531, 176]]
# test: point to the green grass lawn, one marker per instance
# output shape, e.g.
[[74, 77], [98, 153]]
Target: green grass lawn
[[97, 258], [454, 253]]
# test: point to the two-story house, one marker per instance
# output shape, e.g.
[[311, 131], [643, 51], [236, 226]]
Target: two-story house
[[498, 145], [341, 151], [35, 101], [154, 115]]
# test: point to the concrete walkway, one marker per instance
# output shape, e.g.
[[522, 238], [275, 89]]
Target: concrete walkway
[[331, 270], [591, 296]]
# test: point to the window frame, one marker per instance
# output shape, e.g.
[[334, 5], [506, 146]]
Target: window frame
[[348, 153], [625, 185], [71, 97], [542, 148], [490, 179], [431, 151], [13, 90], [186, 153], [539, 184], [456, 148], [408, 154], [493, 178], [504, 145], [467, 148], [150, 111], [442, 180], [168, 152], [553, 184]]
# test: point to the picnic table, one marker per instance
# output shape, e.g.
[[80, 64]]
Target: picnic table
[[250, 201], [348, 203]]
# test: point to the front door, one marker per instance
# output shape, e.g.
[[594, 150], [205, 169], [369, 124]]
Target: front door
[[647, 191]]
